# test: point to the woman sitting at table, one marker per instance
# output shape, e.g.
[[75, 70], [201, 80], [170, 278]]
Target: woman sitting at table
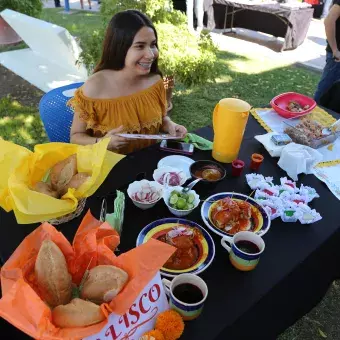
[[125, 94]]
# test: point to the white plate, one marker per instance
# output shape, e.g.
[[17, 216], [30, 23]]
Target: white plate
[[179, 162]]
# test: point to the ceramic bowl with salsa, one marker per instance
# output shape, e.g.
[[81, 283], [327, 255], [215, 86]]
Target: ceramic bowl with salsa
[[208, 171]]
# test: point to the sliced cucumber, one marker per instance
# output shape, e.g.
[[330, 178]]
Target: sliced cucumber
[[191, 198], [190, 206], [173, 199], [181, 203]]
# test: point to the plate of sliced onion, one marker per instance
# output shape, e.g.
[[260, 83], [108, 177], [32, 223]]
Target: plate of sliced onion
[[145, 194], [169, 176]]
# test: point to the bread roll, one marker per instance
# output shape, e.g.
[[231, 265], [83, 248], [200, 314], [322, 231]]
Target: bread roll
[[46, 189], [103, 283], [76, 181], [52, 275], [63, 172], [78, 313]]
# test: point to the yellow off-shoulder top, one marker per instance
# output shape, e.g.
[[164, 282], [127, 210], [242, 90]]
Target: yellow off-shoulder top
[[141, 112]]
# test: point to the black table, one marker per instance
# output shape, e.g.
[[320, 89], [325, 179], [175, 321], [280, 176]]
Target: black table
[[292, 25], [296, 269]]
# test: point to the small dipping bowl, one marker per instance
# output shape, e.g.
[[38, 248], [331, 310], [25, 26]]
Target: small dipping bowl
[[256, 161], [237, 167], [208, 169]]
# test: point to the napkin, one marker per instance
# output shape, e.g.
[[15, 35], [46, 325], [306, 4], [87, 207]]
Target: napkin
[[265, 140], [116, 219], [296, 159], [199, 142]]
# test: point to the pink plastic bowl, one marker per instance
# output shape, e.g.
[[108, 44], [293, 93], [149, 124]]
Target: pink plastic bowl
[[280, 103]]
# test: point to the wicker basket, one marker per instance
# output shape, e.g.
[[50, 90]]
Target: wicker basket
[[71, 216]]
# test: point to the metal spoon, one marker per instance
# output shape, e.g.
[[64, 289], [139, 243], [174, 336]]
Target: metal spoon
[[332, 129], [190, 185]]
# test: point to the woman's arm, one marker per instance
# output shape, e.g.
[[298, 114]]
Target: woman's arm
[[79, 134], [330, 27], [172, 128]]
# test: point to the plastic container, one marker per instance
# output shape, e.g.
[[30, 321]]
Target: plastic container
[[256, 161], [299, 136], [237, 167], [280, 103]]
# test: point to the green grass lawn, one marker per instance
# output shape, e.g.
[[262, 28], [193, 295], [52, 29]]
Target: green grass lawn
[[20, 124], [252, 80]]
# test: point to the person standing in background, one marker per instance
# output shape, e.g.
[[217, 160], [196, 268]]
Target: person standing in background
[[57, 3], [331, 72], [326, 7], [198, 7], [82, 4]]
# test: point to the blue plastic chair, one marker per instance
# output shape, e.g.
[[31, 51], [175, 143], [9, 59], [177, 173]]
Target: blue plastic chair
[[56, 115]]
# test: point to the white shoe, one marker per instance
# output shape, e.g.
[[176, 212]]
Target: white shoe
[[199, 29]]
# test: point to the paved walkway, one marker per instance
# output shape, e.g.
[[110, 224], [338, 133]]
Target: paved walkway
[[310, 54], [74, 5]]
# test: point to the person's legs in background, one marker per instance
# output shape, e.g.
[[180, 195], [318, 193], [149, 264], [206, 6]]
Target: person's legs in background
[[199, 12], [89, 4], [190, 14], [57, 3], [82, 4], [326, 7], [330, 75]]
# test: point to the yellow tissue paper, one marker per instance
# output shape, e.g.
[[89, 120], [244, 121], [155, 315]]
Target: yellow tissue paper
[[21, 169]]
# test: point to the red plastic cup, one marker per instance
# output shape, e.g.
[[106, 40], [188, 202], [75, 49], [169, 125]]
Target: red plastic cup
[[237, 167], [256, 161]]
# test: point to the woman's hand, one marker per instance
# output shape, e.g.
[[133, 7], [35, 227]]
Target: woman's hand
[[116, 142], [174, 129], [336, 56]]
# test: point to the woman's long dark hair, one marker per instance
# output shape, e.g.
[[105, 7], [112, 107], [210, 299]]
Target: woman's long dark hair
[[119, 37]]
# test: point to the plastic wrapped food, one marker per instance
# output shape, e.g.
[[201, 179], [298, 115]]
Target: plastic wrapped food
[[285, 200], [308, 215], [308, 132], [282, 139], [254, 180]]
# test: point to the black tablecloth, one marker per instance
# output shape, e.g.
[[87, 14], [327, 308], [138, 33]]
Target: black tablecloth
[[292, 25], [296, 268]]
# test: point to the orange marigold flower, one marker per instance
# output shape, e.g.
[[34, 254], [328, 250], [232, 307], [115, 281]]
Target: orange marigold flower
[[171, 324], [155, 334]]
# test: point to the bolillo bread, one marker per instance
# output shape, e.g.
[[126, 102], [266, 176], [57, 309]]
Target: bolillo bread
[[52, 275], [103, 283], [78, 313], [75, 182], [63, 172], [45, 188]]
